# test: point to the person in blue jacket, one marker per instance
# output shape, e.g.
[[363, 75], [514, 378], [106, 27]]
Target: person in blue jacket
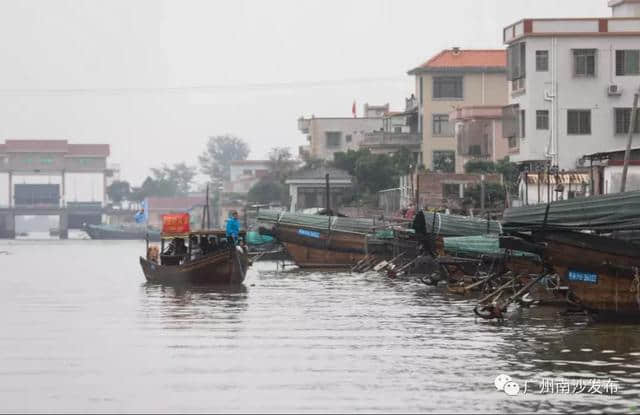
[[233, 226]]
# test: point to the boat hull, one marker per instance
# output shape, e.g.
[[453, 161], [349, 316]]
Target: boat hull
[[228, 267], [100, 233], [323, 249], [600, 272]]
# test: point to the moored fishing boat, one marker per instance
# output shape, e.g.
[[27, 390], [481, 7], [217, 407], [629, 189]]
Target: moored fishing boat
[[600, 271], [316, 241], [123, 231], [195, 257]]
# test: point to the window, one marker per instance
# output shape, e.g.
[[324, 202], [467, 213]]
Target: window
[[48, 160], [333, 139], [517, 61], [421, 92], [511, 121], [447, 87], [542, 60], [584, 62], [247, 172], [451, 190], [523, 129], [623, 120], [579, 122], [348, 138], [444, 161], [542, 120], [397, 129], [627, 62], [476, 149], [441, 127], [513, 142]]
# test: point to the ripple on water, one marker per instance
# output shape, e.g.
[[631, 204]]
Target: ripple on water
[[294, 341]]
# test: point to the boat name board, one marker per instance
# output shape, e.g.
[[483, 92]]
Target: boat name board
[[580, 276], [310, 234]]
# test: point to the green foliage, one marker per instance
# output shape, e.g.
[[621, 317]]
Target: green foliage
[[119, 191], [166, 182], [374, 172], [480, 167], [510, 171], [179, 176], [269, 190], [280, 163], [221, 150], [495, 194]]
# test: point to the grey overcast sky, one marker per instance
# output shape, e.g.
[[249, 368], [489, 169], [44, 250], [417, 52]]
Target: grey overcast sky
[[155, 78]]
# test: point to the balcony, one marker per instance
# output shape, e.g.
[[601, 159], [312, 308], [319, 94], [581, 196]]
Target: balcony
[[303, 125], [386, 141]]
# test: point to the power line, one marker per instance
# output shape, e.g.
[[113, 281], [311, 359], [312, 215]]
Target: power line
[[197, 88]]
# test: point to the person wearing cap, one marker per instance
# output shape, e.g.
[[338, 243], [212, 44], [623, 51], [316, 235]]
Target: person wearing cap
[[233, 226]]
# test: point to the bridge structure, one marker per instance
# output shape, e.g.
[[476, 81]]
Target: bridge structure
[[53, 178]]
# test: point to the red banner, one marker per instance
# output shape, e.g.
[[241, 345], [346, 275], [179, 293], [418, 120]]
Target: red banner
[[175, 223]]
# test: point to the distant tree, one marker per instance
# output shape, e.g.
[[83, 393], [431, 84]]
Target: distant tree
[[180, 176], [280, 165], [403, 161], [347, 161], [310, 162], [221, 150], [480, 167], [374, 172], [166, 182], [119, 191], [495, 195], [269, 190], [510, 171]]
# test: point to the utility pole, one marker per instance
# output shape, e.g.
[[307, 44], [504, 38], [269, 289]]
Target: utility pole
[[482, 192], [326, 177], [627, 153]]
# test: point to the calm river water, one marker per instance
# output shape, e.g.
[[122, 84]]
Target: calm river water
[[82, 331]]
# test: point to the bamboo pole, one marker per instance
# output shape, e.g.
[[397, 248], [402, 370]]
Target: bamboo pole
[[627, 153]]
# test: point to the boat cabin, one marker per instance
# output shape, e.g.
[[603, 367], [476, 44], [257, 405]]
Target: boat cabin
[[179, 245]]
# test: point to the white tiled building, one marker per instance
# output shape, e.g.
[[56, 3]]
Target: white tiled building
[[571, 85]]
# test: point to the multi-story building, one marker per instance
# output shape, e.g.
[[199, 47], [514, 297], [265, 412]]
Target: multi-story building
[[400, 130], [452, 79], [571, 85], [327, 136]]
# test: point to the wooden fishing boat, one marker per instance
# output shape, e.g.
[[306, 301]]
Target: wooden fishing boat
[[601, 273], [315, 248], [201, 257], [224, 264], [123, 231]]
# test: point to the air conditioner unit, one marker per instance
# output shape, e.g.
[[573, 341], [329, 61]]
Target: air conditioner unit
[[614, 89]]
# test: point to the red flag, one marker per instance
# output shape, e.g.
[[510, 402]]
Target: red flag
[[353, 109]]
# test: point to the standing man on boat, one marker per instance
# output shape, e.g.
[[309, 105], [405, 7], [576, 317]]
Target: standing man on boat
[[233, 226]]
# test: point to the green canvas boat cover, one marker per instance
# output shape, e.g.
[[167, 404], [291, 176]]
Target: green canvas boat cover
[[354, 225], [455, 225], [254, 238], [476, 246], [607, 213]]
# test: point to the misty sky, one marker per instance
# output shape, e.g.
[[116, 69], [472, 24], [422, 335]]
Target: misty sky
[[155, 78]]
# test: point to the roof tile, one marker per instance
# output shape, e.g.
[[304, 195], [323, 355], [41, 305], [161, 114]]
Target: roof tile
[[466, 58]]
